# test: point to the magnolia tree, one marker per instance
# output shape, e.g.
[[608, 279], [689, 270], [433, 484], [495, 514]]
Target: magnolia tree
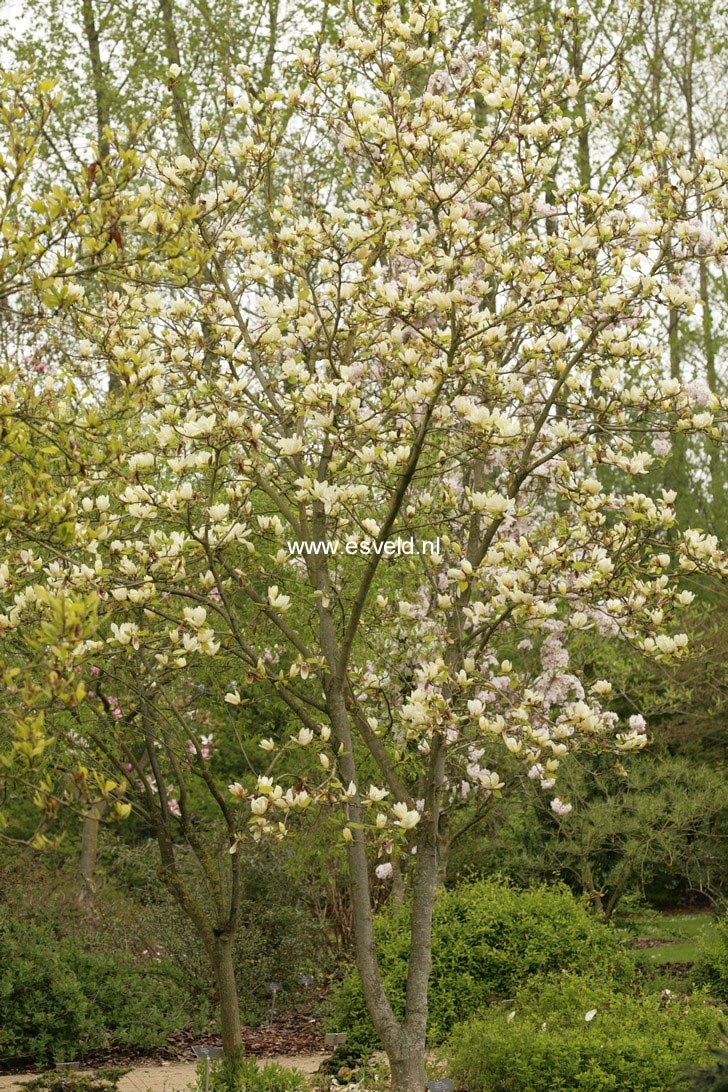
[[380, 456]]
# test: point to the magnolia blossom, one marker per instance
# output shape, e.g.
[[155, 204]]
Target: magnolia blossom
[[376, 795], [404, 817], [277, 600], [560, 807]]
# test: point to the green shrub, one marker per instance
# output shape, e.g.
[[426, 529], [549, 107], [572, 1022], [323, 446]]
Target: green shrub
[[136, 1004], [58, 1002], [631, 1043], [241, 1074], [488, 938], [44, 1015], [711, 967]]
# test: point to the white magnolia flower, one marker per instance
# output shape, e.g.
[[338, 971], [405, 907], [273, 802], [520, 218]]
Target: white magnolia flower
[[405, 818], [218, 512], [290, 446], [375, 794], [195, 615], [579, 620], [278, 601]]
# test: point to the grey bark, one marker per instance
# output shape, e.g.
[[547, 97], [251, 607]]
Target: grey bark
[[101, 91]]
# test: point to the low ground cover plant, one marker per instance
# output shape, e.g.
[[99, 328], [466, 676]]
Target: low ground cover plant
[[576, 1032], [241, 1074]]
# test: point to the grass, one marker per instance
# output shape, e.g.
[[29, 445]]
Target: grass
[[683, 931], [669, 964]]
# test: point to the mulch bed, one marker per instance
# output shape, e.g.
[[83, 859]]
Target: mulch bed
[[292, 1033], [288, 1034]]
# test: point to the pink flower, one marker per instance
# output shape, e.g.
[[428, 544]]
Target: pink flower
[[699, 391], [560, 807]]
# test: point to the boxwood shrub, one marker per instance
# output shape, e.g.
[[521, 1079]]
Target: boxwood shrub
[[489, 937]]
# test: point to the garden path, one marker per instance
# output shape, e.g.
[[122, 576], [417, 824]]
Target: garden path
[[172, 1077]]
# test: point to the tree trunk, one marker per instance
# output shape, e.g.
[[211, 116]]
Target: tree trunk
[[227, 993], [89, 854], [404, 1042], [399, 893], [181, 106], [407, 1067], [101, 91]]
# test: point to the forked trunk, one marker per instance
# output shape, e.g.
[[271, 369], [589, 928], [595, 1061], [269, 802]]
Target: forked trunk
[[227, 993]]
